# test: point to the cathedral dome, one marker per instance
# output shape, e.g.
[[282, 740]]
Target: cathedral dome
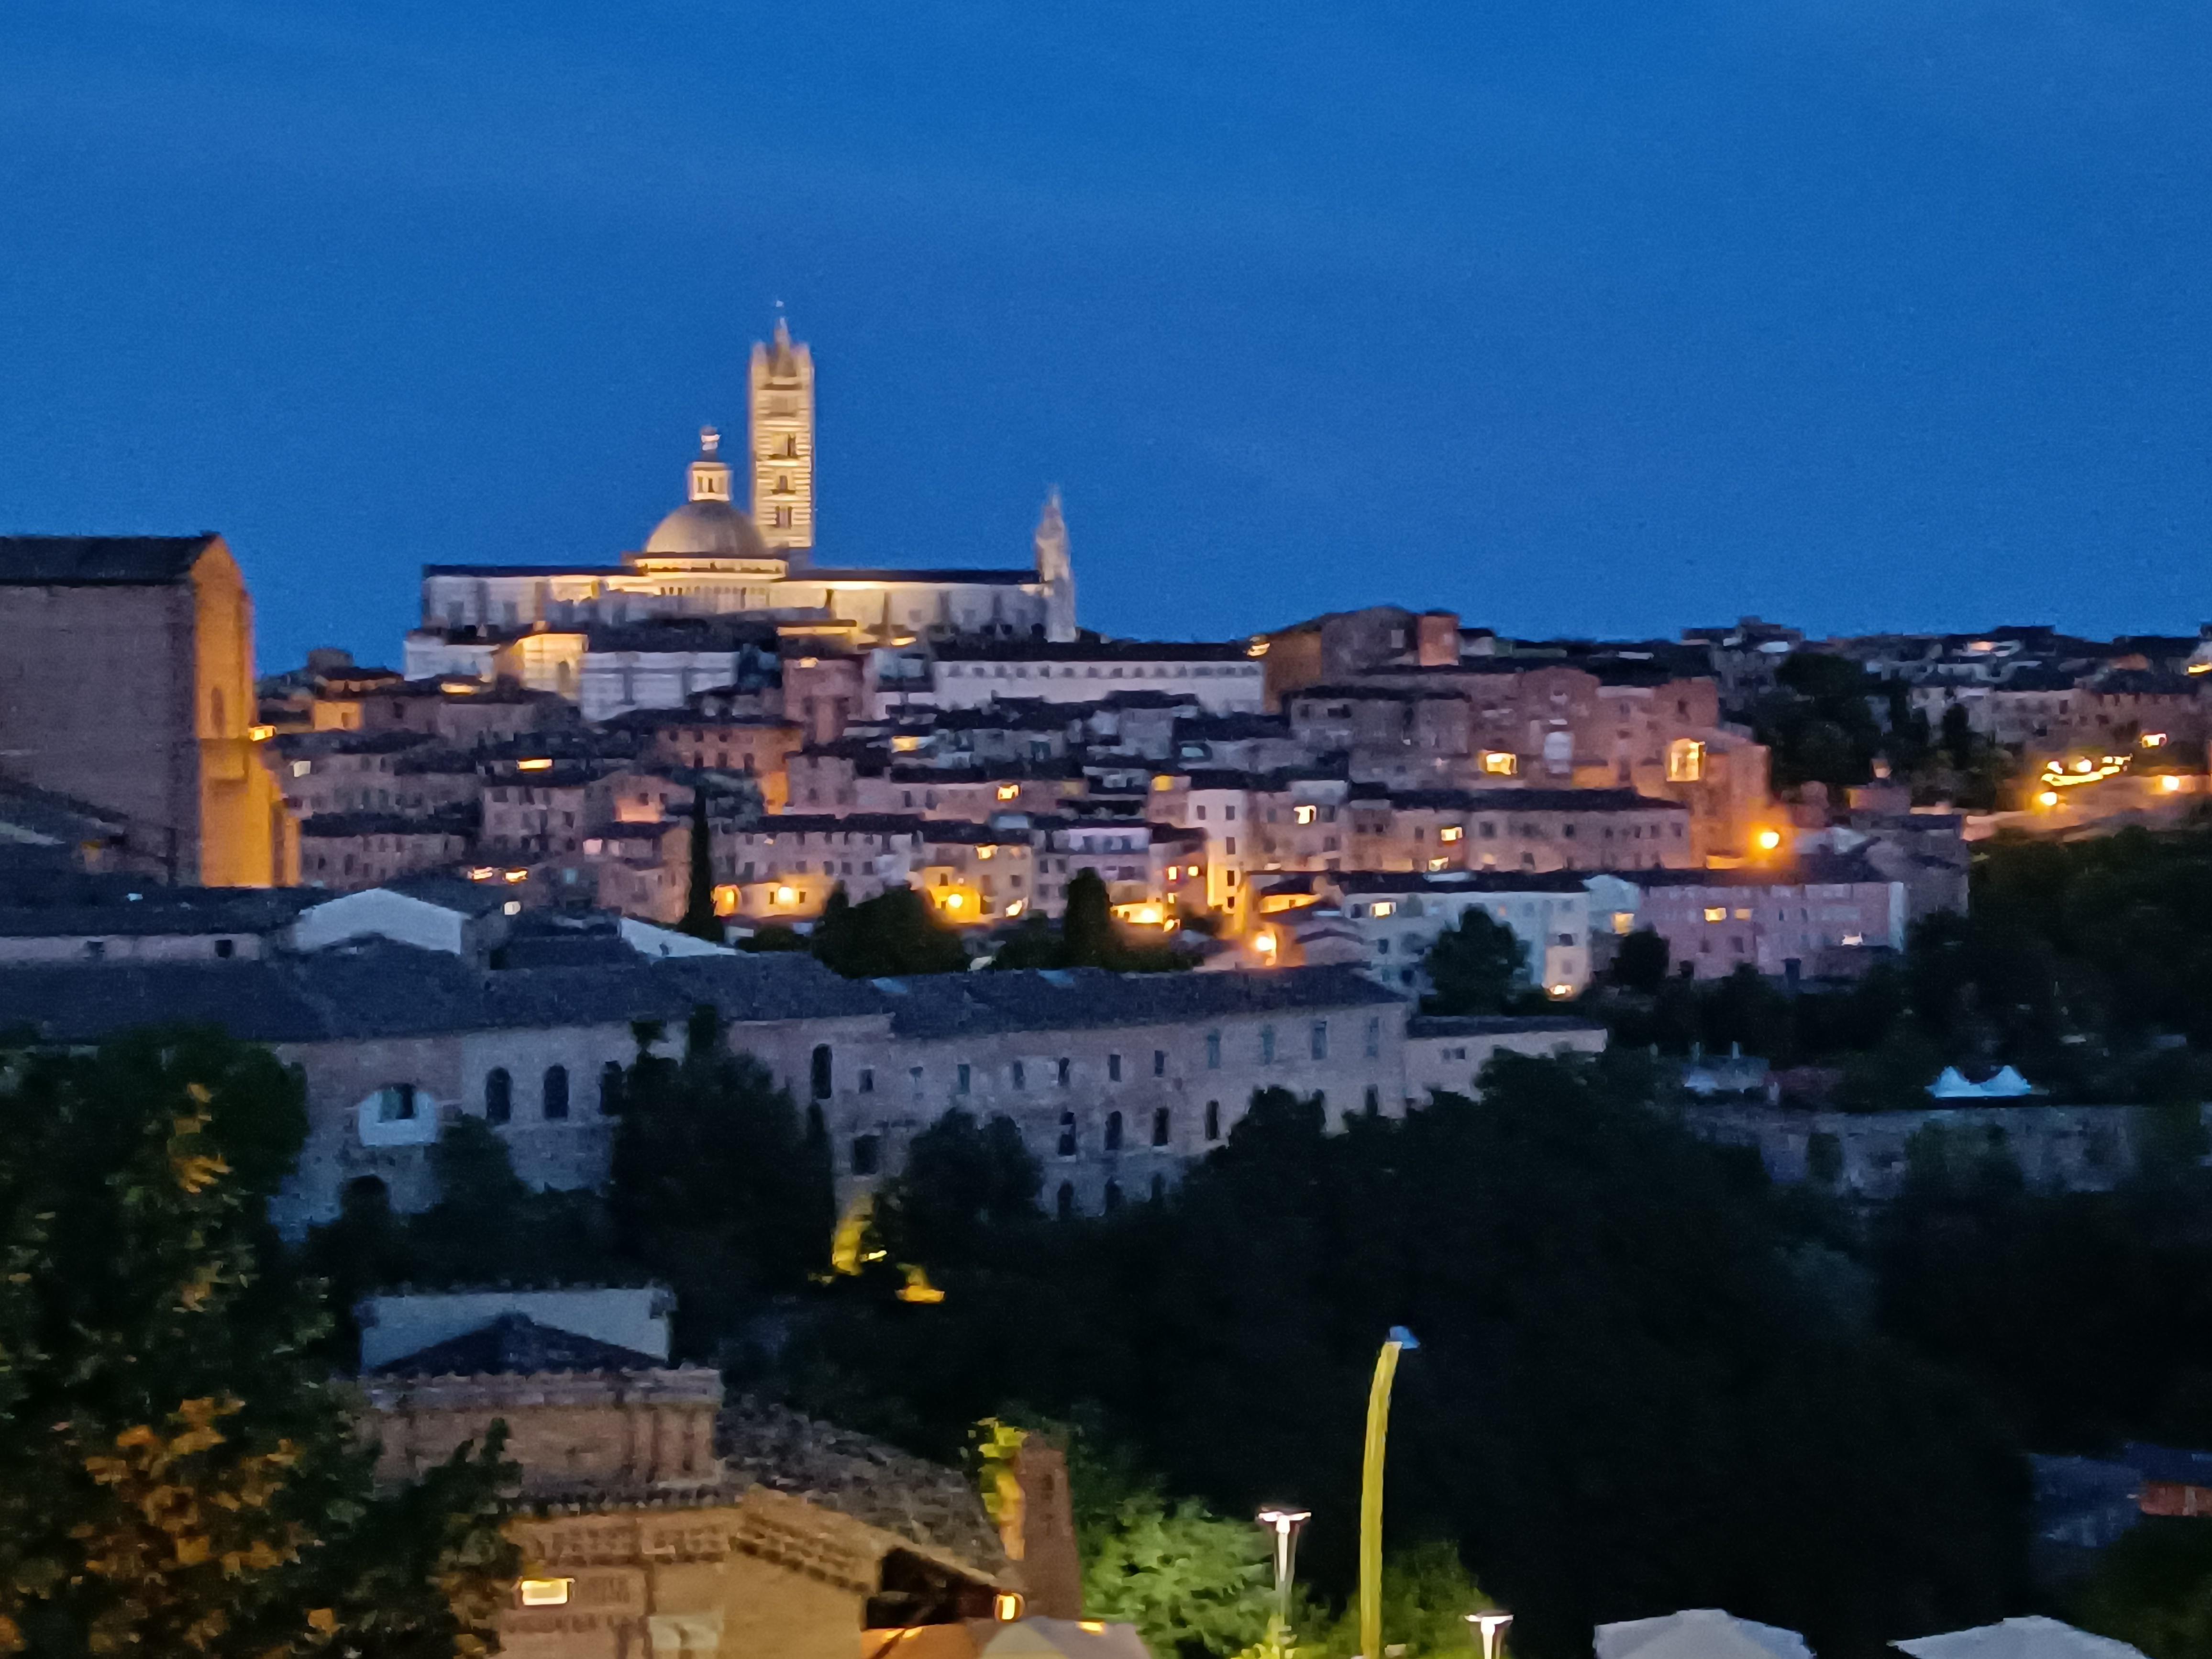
[[705, 530]]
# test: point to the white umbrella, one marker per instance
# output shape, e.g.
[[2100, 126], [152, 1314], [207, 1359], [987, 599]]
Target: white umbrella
[[2035, 1637], [1698, 1633]]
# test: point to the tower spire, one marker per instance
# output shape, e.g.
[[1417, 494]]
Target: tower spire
[[783, 443], [1055, 569]]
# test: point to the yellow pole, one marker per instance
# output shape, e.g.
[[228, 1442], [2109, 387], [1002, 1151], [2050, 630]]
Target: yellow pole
[[1370, 1501]]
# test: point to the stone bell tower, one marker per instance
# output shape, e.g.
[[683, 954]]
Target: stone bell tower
[[782, 408]]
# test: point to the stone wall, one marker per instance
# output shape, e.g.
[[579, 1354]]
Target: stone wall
[[96, 702], [1866, 1156]]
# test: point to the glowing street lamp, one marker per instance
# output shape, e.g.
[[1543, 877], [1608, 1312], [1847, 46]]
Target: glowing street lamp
[[1488, 1629], [1283, 1524]]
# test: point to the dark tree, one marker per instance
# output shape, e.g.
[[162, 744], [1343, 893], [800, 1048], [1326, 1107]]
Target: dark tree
[[718, 1186], [179, 1475], [1475, 967], [961, 1178], [1641, 1385], [1640, 964], [887, 937], [699, 918], [770, 937], [1087, 939]]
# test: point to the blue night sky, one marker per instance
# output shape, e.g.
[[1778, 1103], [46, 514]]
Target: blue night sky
[[1591, 316]]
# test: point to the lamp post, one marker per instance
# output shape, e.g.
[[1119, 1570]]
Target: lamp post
[[1488, 1629], [1283, 1526], [1370, 1491]]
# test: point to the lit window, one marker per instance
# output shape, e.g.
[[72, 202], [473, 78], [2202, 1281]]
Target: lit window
[[545, 1592], [1450, 832], [1715, 913], [1302, 814], [1686, 761], [1500, 762], [1384, 907]]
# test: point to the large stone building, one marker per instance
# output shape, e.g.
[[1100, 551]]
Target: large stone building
[[1117, 1082], [127, 683], [710, 560]]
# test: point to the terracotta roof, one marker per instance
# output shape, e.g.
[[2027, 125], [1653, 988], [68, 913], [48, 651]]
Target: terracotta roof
[[773, 1446]]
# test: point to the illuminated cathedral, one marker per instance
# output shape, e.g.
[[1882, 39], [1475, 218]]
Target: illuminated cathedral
[[711, 558]]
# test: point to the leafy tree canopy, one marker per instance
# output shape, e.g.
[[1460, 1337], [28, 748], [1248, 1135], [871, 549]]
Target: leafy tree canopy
[[720, 1187], [1087, 936], [1641, 1385], [1476, 968], [895, 934], [178, 1475]]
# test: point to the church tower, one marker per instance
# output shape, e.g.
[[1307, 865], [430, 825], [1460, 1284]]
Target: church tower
[[783, 444], [1055, 571], [710, 473]]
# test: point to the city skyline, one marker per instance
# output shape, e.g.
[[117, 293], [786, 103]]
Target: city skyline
[[1598, 323]]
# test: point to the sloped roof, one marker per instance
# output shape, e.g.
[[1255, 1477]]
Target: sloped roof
[[383, 989], [98, 561], [515, 1345], [1067, 998], [773, 1446]]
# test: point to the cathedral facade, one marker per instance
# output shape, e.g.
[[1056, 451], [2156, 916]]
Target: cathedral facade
[[711, 559]]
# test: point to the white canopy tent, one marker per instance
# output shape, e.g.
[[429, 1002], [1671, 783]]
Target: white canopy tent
[[1698, 1633], [1038, 1637], [2007, 1085], [2035, 1637]]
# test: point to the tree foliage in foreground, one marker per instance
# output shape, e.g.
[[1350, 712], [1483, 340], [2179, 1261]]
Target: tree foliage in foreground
[[1476, 968], [1643, 1383], [178, 1475], [720, 1187], [1086, 936]]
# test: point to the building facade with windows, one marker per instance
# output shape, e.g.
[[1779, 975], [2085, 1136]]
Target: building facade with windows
[[1825, 916], [1115, 1081]]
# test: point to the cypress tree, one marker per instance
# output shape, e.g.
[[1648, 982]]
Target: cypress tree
[[699, 918]]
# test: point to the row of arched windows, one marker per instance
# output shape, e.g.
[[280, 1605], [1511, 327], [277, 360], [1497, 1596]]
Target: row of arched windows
[[552, 1093]]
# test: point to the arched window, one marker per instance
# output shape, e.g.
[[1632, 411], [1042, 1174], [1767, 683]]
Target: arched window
[[1064, 1204], [1161, 1123], [867, 1154], [366, 1193], [1068, 1134], [1112, 1196], [556, 1092], [820, 1076], [499, 1095], [1113, 1132], [1214, 1120], [611, 1089]]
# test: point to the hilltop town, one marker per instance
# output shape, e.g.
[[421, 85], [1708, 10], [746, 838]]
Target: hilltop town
[[712, 916]]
